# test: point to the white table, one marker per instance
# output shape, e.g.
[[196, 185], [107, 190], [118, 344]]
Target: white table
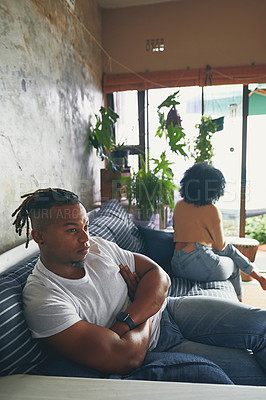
[[30, 387]]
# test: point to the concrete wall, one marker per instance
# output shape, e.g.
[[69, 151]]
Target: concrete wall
[[50, 85], [196, 33]]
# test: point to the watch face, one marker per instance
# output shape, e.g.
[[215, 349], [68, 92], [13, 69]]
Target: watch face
[[122, 317]]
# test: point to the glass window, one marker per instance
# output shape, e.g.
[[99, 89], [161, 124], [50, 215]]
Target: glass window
[[127, 128], [219, 101], [256, 145], [126, 106], [226, 101]]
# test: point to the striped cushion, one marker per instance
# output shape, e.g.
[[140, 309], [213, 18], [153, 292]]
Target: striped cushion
[[19, 353], [113, 223], [186, 287]]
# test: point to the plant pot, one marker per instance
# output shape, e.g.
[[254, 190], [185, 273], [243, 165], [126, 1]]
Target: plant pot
[[220, 123], [120, 157], [152, 222]]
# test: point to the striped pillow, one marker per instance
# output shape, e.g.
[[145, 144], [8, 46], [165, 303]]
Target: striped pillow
[[19, 352], [113, 223]]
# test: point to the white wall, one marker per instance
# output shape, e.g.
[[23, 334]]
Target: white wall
[[196, 33], [50, 84]]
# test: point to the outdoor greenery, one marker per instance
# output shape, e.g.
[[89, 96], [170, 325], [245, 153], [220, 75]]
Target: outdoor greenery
[[203, 149], [102, 138], [256, 228]]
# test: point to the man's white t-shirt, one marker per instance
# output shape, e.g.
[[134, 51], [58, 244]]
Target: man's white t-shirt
[[53, 304]]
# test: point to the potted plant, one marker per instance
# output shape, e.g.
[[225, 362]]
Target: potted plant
[[150, 189], [101, 137]]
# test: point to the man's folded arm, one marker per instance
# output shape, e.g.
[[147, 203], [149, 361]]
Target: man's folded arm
[[151, 291], [119, 349], [102, 348]]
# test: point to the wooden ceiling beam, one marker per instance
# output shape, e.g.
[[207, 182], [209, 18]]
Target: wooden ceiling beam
[[188, 77]]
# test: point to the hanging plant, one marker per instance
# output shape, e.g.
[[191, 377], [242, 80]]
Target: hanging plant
[[171, 126], [203, 148]]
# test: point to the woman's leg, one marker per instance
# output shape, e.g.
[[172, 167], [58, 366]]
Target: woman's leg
[[239, 259], [202, 264], [220, 322]]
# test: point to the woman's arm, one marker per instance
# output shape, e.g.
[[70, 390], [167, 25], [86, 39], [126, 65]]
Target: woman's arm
[[216, 229]]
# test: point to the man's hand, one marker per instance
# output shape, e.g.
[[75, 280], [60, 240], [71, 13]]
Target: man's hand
[[131, 278]]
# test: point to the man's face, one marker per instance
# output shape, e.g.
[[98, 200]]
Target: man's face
[[65, 236]]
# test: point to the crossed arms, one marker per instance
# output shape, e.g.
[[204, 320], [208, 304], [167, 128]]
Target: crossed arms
[[118, 350]]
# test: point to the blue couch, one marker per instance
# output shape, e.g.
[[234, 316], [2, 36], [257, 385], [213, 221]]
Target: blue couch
[[21, 354]]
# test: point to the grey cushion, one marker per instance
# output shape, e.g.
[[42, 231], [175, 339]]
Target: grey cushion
[[159, 246]]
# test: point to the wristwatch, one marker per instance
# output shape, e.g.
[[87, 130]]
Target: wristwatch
[[126, 318]]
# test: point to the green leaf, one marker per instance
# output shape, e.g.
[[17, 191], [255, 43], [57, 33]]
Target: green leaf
[[170, 101]]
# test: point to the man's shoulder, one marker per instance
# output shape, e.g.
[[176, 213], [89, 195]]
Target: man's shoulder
[[38, 277], [36, 284]]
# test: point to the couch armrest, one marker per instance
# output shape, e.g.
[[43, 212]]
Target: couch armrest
[[17, 255]]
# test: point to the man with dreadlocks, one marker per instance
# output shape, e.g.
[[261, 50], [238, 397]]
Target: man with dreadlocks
[[104, 307]]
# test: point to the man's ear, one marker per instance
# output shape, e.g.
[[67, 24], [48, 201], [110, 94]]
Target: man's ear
[[37, 236]]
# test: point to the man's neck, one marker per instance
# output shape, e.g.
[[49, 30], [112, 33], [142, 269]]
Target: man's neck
[[68, 271]]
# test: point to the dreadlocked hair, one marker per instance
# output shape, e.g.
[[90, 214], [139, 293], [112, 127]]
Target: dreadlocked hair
[[41, 199]]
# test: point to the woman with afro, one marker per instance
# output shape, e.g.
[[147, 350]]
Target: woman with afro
[[201, 252]]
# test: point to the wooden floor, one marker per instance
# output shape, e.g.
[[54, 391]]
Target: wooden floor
[[253, 294]]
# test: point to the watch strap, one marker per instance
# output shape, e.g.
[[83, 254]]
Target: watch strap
[[126, 318]]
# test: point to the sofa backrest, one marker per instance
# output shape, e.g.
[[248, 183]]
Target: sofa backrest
[[17, 256]]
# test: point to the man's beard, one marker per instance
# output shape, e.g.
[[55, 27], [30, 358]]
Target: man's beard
[[78, 264]]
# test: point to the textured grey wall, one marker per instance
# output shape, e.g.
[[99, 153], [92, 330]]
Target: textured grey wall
[[50, 85]]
